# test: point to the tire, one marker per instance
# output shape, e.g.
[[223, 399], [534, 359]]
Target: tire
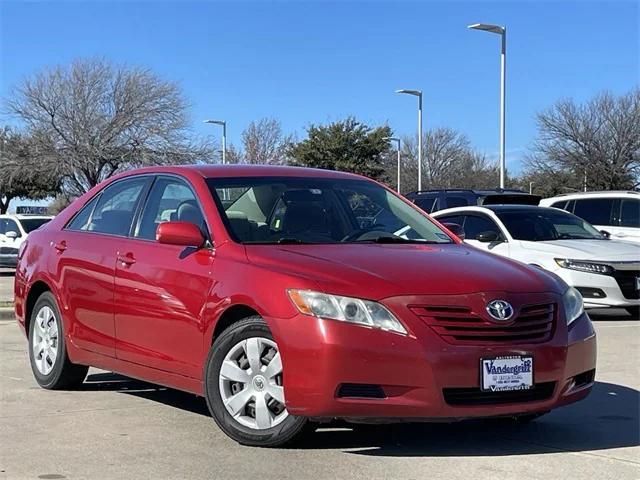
[[50, 365], [634, 311], [259, 419]]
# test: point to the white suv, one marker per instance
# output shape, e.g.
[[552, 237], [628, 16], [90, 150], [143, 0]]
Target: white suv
[[616, 212], [13, 232]]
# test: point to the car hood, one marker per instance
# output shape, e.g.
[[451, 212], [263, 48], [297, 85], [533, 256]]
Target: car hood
[[602, 250], [380, 271]]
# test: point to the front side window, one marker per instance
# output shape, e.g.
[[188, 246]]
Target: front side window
[[7, 225], [316, 210], [116, 207], [630, 213], [542, 225], [596, 211], [170, 200]]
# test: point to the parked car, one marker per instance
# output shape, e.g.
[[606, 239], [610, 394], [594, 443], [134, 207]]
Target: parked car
[[606, 272], [282, 309], [434, 200], [13, 232], [617, 213]]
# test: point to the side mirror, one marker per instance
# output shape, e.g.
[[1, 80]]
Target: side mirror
[[12, 235], [180, 233], [487, 237], [603, 232], [456, 229]]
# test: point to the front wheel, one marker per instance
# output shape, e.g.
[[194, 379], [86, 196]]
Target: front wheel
[[244, 389], [50, 364]]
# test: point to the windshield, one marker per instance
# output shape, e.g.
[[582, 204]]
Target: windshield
[[316, 210], [547, 224], [30, 224]]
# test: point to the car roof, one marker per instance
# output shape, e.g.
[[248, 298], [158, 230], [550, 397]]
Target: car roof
[[493, 208], [212, 171], [496, 191], [602, 193]]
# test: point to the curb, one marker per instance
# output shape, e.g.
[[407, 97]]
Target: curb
[[7, 313]]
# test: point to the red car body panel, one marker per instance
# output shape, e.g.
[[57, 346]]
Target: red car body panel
[[154, 317]]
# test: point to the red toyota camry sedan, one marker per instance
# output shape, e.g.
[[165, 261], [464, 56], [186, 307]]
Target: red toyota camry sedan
[[291, 296]]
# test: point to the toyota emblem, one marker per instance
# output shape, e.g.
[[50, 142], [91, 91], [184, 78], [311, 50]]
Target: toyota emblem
[[500, 310]]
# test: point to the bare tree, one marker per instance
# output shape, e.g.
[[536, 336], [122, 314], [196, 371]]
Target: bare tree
[[448, 162], [94, 119], [600, 138], [22, 174], [265, 143]]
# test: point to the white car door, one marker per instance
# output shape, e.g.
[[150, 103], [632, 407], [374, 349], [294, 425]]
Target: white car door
[[479, 230], [628, 228]]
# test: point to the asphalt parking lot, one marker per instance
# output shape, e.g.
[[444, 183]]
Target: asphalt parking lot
[[115, 427]]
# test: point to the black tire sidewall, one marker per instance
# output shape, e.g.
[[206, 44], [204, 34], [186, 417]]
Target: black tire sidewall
[[51, 380], [275, 436]]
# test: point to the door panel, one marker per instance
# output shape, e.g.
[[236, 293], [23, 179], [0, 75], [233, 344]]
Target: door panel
[[160, 294], [161, 290], [86, 260], [86, 265]]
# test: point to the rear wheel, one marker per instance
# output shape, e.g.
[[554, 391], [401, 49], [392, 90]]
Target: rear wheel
[[244, 389], [50, 364]]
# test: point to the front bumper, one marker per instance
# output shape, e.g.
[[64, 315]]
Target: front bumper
[[320, 355], [610, 288]]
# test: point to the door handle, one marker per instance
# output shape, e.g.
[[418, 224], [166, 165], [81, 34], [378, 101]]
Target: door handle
[[60, 246], [126, 260]]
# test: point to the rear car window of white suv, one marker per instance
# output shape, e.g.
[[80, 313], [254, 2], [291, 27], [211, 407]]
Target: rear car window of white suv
[[596, 211]]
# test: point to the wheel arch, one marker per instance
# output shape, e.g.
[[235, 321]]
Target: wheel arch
[[232, 314], [38, 288]]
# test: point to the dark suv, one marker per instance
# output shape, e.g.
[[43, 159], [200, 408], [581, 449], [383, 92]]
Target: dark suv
[[434, 200]]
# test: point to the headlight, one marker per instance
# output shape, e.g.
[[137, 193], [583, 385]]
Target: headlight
[[582, 266], [345, 309], [572, 302]]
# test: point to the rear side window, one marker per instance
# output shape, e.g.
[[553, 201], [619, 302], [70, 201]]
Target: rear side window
[[630, 213], [116, 207], [81, 220], [458, 219], [474, 225], [596, 211], [456, 201], [562, 204]]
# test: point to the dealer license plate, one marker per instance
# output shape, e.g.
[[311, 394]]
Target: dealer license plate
[[504, 374]]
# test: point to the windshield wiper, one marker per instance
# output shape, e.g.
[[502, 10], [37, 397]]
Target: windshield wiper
[[388, 239], [290, 241]]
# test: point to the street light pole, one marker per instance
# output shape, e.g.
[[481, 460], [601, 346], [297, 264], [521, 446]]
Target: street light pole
[[397, 140], [224, 137], [417, 93], [502, 31]]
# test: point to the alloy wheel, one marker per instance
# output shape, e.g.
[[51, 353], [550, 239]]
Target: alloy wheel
[[250, 382]]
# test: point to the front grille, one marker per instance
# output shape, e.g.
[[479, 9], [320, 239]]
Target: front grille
[[8, 251], [627, 282], [460, 325], [360, 390], [476, 396]]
